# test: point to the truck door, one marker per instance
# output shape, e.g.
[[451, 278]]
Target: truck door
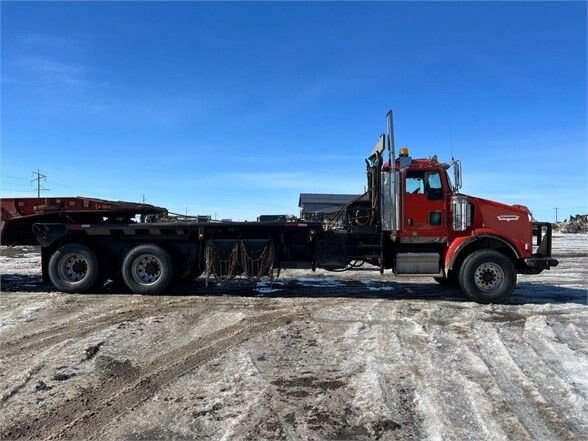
[[424, 206]]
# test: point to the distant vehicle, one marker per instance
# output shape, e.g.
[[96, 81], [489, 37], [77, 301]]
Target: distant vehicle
[[412, 219]]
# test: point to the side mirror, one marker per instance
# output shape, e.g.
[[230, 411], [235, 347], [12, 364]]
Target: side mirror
[[456, 176]]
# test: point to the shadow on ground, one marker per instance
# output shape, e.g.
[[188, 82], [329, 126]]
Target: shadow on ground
[[525, 293]]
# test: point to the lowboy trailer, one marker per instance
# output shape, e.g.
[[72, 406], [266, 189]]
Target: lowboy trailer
[[412, 219], [18, 215]]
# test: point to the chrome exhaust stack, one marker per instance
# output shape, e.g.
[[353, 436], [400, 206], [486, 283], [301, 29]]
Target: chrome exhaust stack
[[390, 185]]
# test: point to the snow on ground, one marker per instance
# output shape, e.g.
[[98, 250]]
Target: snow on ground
[[320, 355], [20, 260]]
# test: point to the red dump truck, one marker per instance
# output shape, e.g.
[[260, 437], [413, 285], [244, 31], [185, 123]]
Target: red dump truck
[[412, 220]]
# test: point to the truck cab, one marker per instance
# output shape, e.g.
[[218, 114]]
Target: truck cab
[[478, 244], [426, 197]]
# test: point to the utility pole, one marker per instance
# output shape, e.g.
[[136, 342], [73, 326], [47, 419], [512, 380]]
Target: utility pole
[[38, 179], [143, 197], [556, 210]]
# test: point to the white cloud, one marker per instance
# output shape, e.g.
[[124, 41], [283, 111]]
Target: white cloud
[[50, 71]]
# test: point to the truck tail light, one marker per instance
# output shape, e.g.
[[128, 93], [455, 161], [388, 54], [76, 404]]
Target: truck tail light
[[461, 213]]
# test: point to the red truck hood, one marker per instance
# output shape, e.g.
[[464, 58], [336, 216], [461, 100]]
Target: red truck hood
[[509, 221]]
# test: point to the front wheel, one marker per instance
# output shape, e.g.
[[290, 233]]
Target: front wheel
[[147, 269], [487, 276], [73, 268]]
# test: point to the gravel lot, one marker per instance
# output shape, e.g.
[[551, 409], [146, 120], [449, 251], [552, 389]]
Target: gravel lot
[[317, 355]]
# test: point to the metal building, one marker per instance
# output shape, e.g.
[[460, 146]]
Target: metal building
[[323, 206]]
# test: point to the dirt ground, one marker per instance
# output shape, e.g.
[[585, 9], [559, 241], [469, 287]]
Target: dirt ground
[[317, 355]]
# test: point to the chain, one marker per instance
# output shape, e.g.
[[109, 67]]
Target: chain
[[261, 266], [239, 261], [219, 268]]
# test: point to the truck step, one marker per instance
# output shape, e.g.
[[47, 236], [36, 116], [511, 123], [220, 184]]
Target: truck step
[[417, 263]]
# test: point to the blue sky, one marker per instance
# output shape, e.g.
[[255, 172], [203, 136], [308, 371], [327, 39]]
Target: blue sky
[[233, 109]]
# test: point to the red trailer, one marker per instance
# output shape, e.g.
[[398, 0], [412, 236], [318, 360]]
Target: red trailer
[[19, 214]]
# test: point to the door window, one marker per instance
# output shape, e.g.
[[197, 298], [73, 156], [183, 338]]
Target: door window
[[424, 182], [415, 184]]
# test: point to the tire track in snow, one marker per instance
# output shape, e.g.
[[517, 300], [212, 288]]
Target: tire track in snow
[[18, 383], [494, 410], [558, 392], [111, 400], [494, 417], [559, 357], [452, 394], [396, 379], [375, 397], [270, 397], [429, 403], [572, 335], [30, 343], [530, 407], [462, 386]]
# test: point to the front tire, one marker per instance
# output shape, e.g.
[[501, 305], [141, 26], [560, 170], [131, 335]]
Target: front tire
[[487, 276], [73, 268], [147, 269]]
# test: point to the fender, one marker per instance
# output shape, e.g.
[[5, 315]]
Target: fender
[[460, 243], [47, 234]]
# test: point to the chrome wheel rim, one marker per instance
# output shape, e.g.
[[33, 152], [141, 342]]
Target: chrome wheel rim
[[147, 269], [489, 277], [73, 267]]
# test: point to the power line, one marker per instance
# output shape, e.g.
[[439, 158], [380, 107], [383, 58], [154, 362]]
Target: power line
[[10, 184], [59, 184], [39, 177], [15, 181], [15, 190], [11, 176]]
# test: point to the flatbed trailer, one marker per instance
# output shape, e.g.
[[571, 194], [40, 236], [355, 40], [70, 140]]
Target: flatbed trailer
[[411, 220], [224, 249]]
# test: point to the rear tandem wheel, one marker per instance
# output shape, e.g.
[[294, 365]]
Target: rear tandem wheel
[[73, 267], [147, 269]]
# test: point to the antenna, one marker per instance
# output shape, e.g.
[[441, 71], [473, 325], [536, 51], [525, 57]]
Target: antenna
[[451, 139]]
